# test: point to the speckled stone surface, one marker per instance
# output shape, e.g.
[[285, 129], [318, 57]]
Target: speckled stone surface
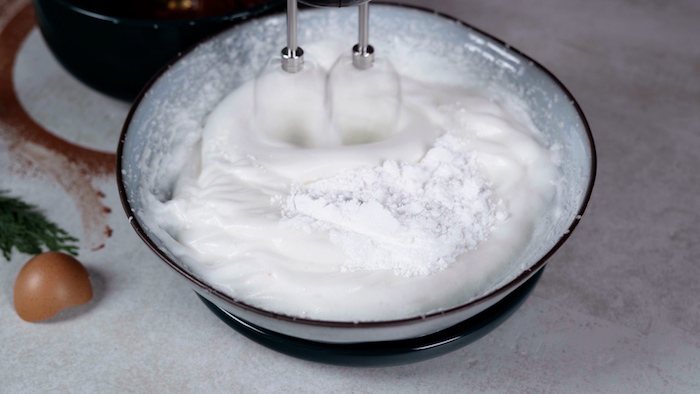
[[618, 309]]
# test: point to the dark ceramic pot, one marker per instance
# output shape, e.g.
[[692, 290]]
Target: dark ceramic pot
[[118, 55]]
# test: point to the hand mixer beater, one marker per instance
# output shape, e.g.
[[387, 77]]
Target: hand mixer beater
[[356, 100], [293, 55]]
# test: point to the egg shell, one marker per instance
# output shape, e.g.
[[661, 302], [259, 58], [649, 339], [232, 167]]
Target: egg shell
[[50, 282]]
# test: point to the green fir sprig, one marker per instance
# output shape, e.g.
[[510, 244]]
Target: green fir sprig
[[24, 227]]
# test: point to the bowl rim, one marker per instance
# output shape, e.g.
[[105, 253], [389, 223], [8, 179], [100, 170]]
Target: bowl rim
[[497, 293], [239, 15]]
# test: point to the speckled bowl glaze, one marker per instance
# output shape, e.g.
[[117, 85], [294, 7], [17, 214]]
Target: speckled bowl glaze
[[118, 55], [216, 67]]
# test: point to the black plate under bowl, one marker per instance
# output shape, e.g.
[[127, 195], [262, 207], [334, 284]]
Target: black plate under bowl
[[388, 353]]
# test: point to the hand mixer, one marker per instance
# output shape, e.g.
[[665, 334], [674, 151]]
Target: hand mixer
[[293, 55]]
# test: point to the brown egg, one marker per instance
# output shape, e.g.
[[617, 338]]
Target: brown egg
[[48, 283]]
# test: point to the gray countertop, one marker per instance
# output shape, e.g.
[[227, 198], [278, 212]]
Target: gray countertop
[[617, 310]]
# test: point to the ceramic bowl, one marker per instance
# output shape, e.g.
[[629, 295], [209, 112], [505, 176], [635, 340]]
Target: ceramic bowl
[[117, 51], [208, 73]]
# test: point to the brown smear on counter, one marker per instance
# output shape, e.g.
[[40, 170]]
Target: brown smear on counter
[[37, 152]]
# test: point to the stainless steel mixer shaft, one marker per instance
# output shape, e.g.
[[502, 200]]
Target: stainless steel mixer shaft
[[362, 53], [292, 55]]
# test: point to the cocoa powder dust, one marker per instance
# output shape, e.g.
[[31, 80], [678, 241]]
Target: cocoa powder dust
[[38, 153]]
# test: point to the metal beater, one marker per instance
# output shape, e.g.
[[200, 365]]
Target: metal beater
[[362, 53]]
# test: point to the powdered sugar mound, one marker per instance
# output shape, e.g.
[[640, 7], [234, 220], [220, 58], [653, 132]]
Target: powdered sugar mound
[[412, 218]]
